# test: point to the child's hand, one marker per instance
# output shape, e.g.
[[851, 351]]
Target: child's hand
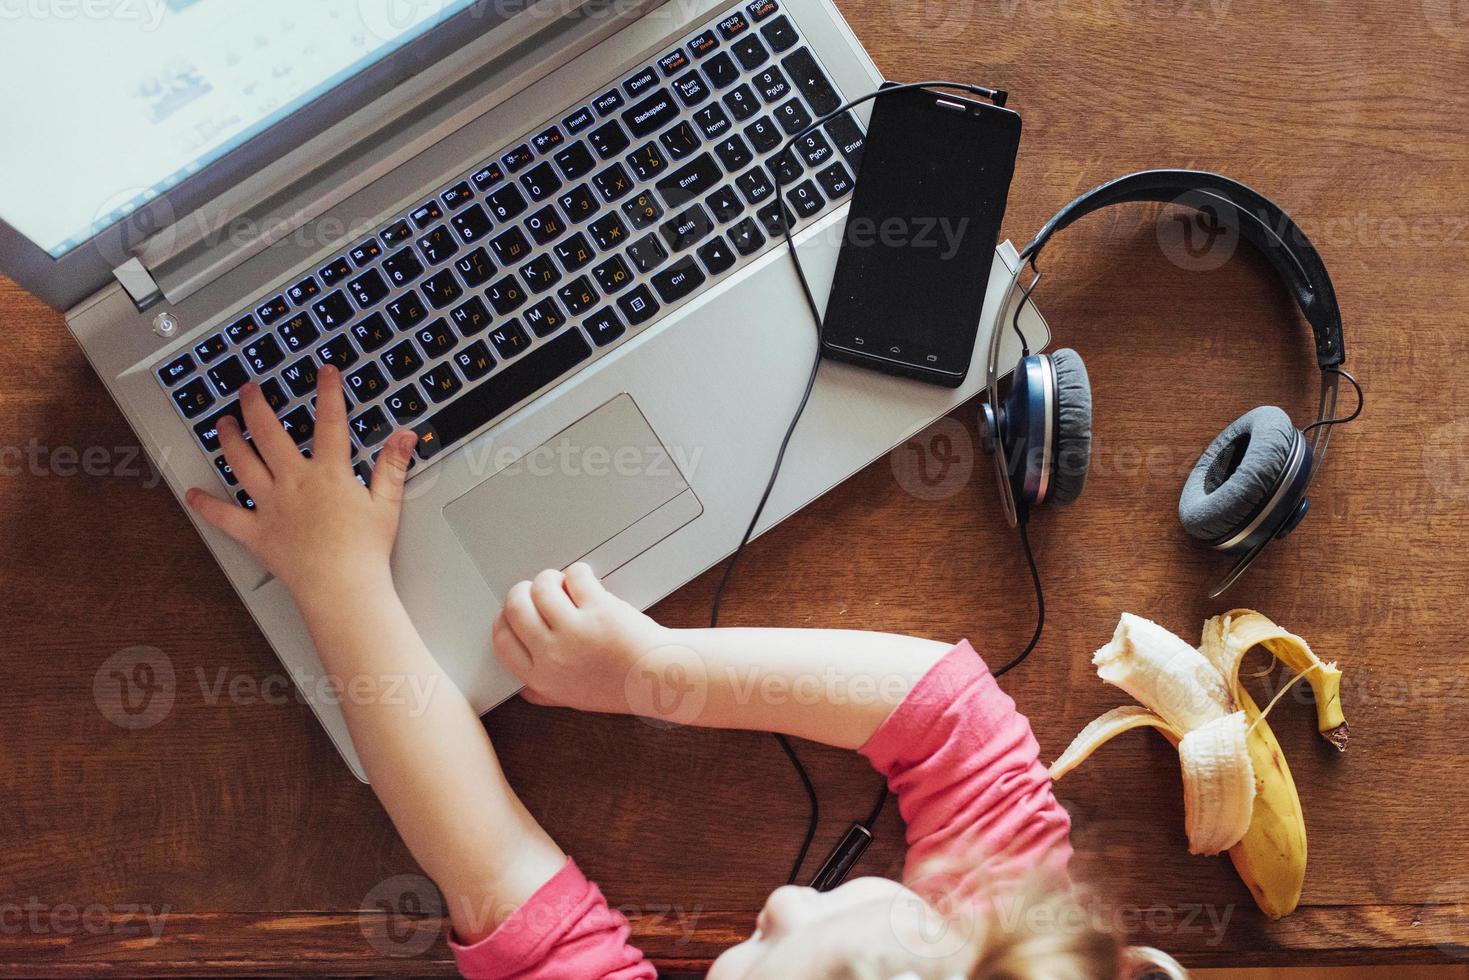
[[315, 527], [572, 643]]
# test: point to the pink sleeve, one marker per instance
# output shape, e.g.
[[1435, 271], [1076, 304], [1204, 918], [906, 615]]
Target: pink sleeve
[[565, 931], [967, 773]]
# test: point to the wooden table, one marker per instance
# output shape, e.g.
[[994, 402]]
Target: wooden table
[[234, 819]]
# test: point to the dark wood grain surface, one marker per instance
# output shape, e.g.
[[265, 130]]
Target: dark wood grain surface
[[234, 825]]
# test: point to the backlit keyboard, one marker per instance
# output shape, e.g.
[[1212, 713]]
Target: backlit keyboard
[[566, 241]]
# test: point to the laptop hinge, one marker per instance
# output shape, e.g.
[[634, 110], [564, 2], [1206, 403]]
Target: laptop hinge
[[134, 277]]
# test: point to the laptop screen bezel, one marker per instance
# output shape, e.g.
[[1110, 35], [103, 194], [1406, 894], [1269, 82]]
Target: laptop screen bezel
[[62, 282]]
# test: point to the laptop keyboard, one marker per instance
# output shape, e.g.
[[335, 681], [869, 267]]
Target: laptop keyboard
[[508, 280]]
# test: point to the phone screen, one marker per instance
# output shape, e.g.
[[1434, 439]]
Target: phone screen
[[921, 232]]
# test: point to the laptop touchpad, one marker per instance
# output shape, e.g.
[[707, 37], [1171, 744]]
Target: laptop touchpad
[[603, 490]]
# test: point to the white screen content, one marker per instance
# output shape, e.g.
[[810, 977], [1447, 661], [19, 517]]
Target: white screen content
[[111, 102]]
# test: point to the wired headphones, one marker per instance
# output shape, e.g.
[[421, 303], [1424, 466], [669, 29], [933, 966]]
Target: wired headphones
[[1249, 486]]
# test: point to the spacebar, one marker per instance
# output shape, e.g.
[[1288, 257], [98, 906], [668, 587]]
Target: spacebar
[[501, 392]]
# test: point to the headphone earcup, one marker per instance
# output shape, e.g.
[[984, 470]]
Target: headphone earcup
[[1073, 437], [1237, 474]]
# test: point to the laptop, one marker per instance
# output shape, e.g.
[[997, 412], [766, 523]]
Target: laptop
[[544, 234]]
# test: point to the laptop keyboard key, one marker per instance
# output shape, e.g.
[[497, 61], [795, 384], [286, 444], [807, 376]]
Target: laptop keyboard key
[[742, 102], [338, 352], [177, 370], [811, 81], [272, 310], [300, 377], [510, 339], [437, 339], [613, 274], [608, 140], [805, 199], [676, 282], [442, 289], [638, 85], [298, 332], [506, 203], [304, 290], [642, 210], [471, 316], [734, 152], [226, 472], [264, 354], [228, 375], [407, 310], [475, 268], [746, 236], [441, 382], [338, 269], [681, 140], [751, 52], [651, 114], [193, 398], [426, 214], [541, 181], [403, 267], [545, 225], [457, 196], [496, 395], [575, 161], [577, 296], [544, 318], [785, 167], [540, 273], [686, 228], [847, 136], [761, 9], [472, 225], [647, 253], [371, 427], [506, 296], [639, 306], [724, 204], [733, 26], [835, 181], [405, 404], [438, 245], [721, 70], [613, 182], [691, 88], [703, 44], [396, 234], [763, 134], [575, 252], [579, 204], [755, 185], [673, 62], [511, 247], [780, 34], [603, 326], [274, 394], [579, 120], [332, 311], [488, 176], [609, 102], [548, 140], [366, 253], [207, 430], [608, 231], [402, 360], [814, 149], [211, 347], [690, 181], [647, 161], [370, 334], [793, 117], [368, 289], [517, 159]]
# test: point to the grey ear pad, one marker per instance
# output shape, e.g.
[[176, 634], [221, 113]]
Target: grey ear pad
[[1236, 474], [1073, 426]]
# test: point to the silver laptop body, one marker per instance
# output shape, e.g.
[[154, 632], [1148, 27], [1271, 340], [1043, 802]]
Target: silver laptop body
[[638, 441]]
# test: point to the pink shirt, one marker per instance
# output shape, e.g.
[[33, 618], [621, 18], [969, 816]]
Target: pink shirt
[[967, 773]]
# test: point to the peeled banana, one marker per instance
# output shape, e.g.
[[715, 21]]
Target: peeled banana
[[1238, 792]]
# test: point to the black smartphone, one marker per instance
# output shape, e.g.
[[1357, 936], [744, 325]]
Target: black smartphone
[[920, 237]]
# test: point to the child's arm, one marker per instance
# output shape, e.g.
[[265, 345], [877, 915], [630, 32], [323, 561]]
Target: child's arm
[[430, 761]]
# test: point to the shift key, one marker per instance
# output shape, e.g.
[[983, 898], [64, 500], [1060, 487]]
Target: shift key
[[490, 399]]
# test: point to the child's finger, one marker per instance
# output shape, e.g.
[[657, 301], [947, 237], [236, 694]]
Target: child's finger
[[391, 469], [549, 591], [583, 585], [531, 697], [275, 447], [522, 615], [509, 649], [228, 517], [243, 460], [331, 441]]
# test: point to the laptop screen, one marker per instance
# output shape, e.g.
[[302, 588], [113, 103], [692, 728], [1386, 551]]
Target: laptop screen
[[112, 102]]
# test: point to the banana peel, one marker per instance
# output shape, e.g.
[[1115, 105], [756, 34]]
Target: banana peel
[[1239, 794]]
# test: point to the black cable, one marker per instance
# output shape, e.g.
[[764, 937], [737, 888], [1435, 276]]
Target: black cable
[[1361, 402], [813, 818]]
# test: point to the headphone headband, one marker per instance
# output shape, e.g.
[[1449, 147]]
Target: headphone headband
[[1260, 221]]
